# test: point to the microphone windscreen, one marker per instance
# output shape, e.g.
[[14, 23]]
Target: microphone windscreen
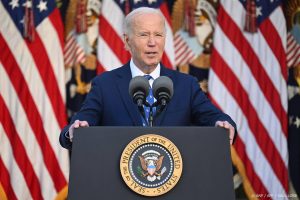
[[139, 84], [163, 84]]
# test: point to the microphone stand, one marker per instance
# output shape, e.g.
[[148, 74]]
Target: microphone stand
[[151, 116], [154, 105], [159, 109]]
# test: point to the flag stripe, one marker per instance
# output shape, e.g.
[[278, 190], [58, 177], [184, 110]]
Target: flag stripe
[[25, 133], [42, 61], [185, 58], [257, 184], [292, 52], [248, 80], [27, 65], [258, 49], [19, 153], [274, 65], [249, 84], [294, 56], [57, 23], [73, 53], [32, 86], [168, 58], [278, 22], [30, 108], [111, 34], [297, 59], [295, 62], [166, 61], [229, 102], [257, 165], [241, 96], [70, 57], [70, 51], [253, 42], [272, 33], [50, 34], [70, 41], [54, 40], [183, 54], [107, 57], [180, 46], [113, 40], [290, 40], [49, 81], [226, 100], [292, 47], [43, 105], [262, 167], [113, 16], [5, 177], [100, 68], [165, 11], [258, 71]]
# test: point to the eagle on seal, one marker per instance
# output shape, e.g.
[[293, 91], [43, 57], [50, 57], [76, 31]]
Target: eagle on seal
[[151, 166]]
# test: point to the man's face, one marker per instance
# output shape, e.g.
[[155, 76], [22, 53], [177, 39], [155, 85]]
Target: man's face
[[146, 40]]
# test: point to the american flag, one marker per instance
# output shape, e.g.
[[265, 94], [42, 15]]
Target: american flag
[[73, 52], [186, 49], [111, 50], [32, 101], [293, 51], [248, 81]]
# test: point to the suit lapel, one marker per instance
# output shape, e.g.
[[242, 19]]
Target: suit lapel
[[124, 77], [169, 73]]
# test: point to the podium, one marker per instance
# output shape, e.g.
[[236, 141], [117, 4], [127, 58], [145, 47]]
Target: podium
[[205, 151]]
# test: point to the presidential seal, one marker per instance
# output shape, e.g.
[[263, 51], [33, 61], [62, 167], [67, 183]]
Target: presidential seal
[[151, 165]]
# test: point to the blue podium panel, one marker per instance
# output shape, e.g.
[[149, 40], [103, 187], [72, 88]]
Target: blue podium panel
[[205, 151]]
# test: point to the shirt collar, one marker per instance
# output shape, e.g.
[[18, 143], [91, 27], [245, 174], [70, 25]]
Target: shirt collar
[[135, 71]]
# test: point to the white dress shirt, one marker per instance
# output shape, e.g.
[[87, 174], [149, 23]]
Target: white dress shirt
[[135, 71]]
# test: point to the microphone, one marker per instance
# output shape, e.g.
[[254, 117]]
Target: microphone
[[163, 90], [139, 90]]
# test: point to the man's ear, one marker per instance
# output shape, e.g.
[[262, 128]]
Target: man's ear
[[126, 42]]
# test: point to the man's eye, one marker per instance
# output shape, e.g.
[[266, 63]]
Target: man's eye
[[143, 34], [159, 35]]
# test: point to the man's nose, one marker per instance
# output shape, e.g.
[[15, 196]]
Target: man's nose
[[151, 40]]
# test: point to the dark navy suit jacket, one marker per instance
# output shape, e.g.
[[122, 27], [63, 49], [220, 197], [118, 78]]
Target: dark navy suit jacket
[[109, 103]]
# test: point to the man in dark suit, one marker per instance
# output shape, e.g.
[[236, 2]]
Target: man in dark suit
[[109, 103]]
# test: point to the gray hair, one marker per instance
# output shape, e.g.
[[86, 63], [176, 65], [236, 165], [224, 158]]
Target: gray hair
[[127, 25]]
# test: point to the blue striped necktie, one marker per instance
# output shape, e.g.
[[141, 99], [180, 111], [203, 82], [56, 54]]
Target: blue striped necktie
[[150, 100]]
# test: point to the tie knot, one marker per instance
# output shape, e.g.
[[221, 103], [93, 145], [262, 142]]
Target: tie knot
[[147, 76]]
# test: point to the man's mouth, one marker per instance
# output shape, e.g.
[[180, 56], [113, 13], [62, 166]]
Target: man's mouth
[[151, 53]]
